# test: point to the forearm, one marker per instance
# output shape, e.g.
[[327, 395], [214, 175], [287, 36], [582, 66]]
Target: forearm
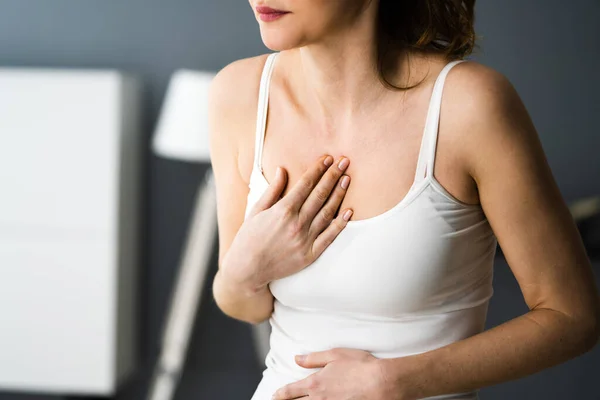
[[527, 344], [241, 301]]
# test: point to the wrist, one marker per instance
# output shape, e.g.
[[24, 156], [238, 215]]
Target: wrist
[[407, 376], [243, 277]]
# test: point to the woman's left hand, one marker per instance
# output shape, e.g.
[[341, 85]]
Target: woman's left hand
[[346, 374]]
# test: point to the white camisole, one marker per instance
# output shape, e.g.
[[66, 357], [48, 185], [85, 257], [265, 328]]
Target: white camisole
[[409, 280]]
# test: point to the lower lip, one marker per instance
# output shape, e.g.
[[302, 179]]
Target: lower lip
[[271, 16]]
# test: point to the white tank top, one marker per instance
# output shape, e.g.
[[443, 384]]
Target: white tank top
[[411, 279]]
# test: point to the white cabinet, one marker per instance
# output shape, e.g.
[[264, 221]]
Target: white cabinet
[[70, 149]]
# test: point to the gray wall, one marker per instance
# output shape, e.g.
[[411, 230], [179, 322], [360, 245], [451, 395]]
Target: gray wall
[[548, 49]]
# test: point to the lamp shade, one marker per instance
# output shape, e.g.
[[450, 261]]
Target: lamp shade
[[182, 129]]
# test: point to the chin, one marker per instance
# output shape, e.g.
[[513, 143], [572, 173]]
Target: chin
[[280, 39], [276, 44]]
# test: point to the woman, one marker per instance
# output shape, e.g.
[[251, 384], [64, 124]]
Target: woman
[[390, 304]]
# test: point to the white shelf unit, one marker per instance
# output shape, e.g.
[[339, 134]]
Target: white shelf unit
[[70, 153]]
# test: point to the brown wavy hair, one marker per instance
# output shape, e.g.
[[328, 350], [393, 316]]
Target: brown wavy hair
[[440, 26]]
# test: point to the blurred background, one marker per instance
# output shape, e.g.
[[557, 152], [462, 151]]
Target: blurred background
[[548, 48]]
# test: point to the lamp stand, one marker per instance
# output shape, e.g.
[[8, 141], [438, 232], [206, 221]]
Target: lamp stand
[[187, 292]]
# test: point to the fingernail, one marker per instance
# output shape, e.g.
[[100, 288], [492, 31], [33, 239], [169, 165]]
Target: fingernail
[[278, 172], [344, 163], [345, 181], [300, 358], [328, 161], [347, 215]]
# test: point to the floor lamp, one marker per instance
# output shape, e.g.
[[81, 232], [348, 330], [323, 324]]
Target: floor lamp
[[182, 134]]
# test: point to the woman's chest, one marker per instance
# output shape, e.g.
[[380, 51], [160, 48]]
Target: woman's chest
[[381, 170]]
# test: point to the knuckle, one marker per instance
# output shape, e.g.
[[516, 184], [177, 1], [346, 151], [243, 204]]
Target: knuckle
[[335, 173], [327, 214], [321, 194], [286, 211], [302, 220], [294, 230], [334, 178], [308, 182], [313, 383], [336, 352]]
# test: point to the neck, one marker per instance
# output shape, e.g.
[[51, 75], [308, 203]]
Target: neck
[[338, 77]]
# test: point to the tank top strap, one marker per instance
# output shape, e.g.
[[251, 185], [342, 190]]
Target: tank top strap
[[263, 105], [426, 158]]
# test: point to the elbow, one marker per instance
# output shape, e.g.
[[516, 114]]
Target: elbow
[[252, 319], [253, 316], [249, 319], [592, 338], [239, 309], [258, 320], [232, 312], [595, 331], [590, 328]]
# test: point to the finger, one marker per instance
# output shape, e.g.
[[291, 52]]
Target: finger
[[322, 191], [296, 390], [330, 233], [272, 194], [305, 185], [318, 359], [328, 211]]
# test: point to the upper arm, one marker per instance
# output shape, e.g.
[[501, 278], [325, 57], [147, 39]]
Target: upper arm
[[232, 115], [520, 197]]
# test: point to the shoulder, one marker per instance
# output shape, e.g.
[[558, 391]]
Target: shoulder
[[478, 92], [232, 105], [234, 88], [232, 111], [484, 112]]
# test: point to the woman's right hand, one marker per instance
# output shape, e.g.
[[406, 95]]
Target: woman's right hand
[[283, 235]]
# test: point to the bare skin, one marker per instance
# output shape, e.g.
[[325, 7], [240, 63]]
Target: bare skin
[[283, 232], [326, 100]]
